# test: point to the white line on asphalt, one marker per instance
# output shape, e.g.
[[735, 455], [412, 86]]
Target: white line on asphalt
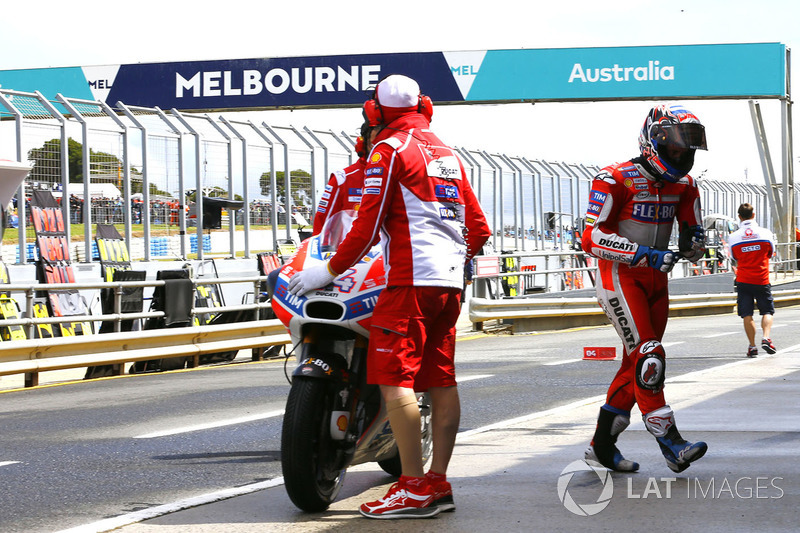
[[721, 334], [462, 379], [6, 463], [554, 363], [153, 512], [210, 425], [668, 344]]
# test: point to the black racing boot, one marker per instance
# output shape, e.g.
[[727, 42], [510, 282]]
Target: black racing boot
[[603, 449], [678, 452]]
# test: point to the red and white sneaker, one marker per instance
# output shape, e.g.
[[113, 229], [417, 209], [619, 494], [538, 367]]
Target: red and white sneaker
[[408, 498], [442, 492], [767, 346]]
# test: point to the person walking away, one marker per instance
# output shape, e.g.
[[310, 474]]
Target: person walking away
[[632, 208], [751, 247], [417, 197]]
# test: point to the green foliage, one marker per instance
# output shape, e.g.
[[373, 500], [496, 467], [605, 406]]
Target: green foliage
[[47, 163], [280, 182]]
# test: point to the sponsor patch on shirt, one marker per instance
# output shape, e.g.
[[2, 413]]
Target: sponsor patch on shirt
[[329, 187], [353, 199], [372, 190], [448, 192], [373, 182], [590, 220], [354, 190], [447, 213], [653, 212], [598, 197], [374, 158], [374, 171], [323, 203], [326, 194]]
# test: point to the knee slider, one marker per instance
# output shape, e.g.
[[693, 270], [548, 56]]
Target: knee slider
[[650, 365]]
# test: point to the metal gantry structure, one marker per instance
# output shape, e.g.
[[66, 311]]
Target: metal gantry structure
[[170, 156]]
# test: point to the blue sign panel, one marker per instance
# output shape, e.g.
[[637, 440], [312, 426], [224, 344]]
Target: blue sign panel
[[566, 74], [732, 70]]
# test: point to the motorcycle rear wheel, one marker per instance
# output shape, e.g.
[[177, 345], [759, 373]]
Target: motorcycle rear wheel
[[312, 473], [392, 465]]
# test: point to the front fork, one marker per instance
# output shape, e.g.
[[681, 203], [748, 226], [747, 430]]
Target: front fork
[[346, 380]]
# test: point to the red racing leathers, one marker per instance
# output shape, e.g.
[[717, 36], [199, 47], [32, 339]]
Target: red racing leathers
[[343, 191], [629, 207]]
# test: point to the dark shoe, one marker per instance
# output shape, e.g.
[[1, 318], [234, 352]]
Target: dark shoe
[[611, 459], [603, 449], [767, 346], [753, 352], [678, 452]]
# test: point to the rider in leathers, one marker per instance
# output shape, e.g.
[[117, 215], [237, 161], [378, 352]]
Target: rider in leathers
[[632, 207], [344, 188]]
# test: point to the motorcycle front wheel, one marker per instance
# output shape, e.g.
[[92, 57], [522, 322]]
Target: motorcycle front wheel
[[392, 465], [312, 473]]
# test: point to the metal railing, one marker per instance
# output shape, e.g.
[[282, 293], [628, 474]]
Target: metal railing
[[41, 354], [572, 270], [59, 353]]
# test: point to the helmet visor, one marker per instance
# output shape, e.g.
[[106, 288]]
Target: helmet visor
[[687, 135]]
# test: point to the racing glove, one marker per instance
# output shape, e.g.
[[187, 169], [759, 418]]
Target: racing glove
[[311, 278], [692, 241], [662, 260]]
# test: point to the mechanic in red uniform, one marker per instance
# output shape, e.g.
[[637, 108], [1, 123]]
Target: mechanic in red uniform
[[632, 207], [752, 246], [417, 197], [343, 190]]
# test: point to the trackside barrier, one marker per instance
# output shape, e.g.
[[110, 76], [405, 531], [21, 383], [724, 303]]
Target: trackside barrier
[[540, 314], [59, 353]]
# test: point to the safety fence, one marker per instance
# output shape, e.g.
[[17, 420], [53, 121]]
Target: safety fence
[[217, 329], [154, 170], [542, 314]]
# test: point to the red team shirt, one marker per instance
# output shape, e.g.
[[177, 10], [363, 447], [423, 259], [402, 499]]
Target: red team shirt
[[752, 247], [417, 198]]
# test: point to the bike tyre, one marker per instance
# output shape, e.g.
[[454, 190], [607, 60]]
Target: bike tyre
[[306, 446]]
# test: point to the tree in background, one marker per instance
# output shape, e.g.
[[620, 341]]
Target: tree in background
[[106, 167], [301, 185]]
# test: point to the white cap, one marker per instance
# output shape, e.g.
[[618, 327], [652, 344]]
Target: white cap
[[398, 91]]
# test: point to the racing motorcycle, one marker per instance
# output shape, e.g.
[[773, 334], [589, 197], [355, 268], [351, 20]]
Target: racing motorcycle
[[333, 418]]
